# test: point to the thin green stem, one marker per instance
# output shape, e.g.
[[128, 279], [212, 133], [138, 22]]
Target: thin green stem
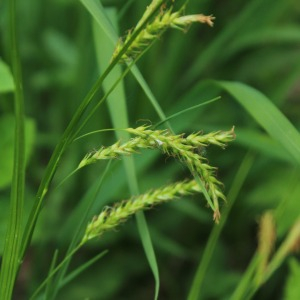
[[157, 124], [214, 236], [94, 132], [50, 282], [246, 281], [54, 271], [91, 113], [10, 262], [112, 88], [185, 111]]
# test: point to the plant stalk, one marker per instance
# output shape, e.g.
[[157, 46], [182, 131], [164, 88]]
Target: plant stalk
[[10, 259]]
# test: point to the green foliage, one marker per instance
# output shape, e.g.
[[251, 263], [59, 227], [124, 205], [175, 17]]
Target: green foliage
[[6, 79], [7, 145], [73, 79], [292, 290]]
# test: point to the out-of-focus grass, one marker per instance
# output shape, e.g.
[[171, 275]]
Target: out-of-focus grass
[[255, 42]]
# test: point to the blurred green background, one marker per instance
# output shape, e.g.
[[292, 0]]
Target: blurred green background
[[254, 42]]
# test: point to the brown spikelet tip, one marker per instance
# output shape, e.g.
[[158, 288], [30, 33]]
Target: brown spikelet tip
[[207, 19], [295, 248], [217, 216], [233, 132]]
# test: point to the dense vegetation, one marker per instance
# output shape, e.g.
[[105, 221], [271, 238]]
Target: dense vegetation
[[244, 72]]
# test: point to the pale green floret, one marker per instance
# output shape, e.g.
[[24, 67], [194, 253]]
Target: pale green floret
[[183, 21], [217, 138]]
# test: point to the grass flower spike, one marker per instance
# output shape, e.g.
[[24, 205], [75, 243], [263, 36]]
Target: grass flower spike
[[217, 138], [153, 30], [178, 146], [111, 217]]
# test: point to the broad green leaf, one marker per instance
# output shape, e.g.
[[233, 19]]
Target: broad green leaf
[[287, 212], [96, 9], [261, 143], [267, 115], [281, 35], [7, 129], [6, 79]]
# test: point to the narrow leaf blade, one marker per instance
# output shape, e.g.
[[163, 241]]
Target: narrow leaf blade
[[267, 116]]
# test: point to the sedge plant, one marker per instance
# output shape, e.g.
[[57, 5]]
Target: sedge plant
[[146, 32], [186, 149]]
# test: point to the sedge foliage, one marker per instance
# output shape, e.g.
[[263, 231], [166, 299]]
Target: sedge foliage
[[54, 223]]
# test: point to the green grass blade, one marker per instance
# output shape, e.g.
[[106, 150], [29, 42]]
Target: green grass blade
[[118, 112], [10, 259], [50, 282], [204, 190], [116, 101], [140, 79], [213, 239], [212, 51], [82, 268], [148, 246], [176, 115], [262, 143], [246, 282], [85, 206], [282, 36], [97, 11], [53, 272], [267, 115]]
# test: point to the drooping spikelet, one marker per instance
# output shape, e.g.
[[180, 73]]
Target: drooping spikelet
[[154, 29], [111, 217]]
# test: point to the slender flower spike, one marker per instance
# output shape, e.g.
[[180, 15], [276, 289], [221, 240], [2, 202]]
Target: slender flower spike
[[111, 217], [266, 242], [217, 138], [153, 30]]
